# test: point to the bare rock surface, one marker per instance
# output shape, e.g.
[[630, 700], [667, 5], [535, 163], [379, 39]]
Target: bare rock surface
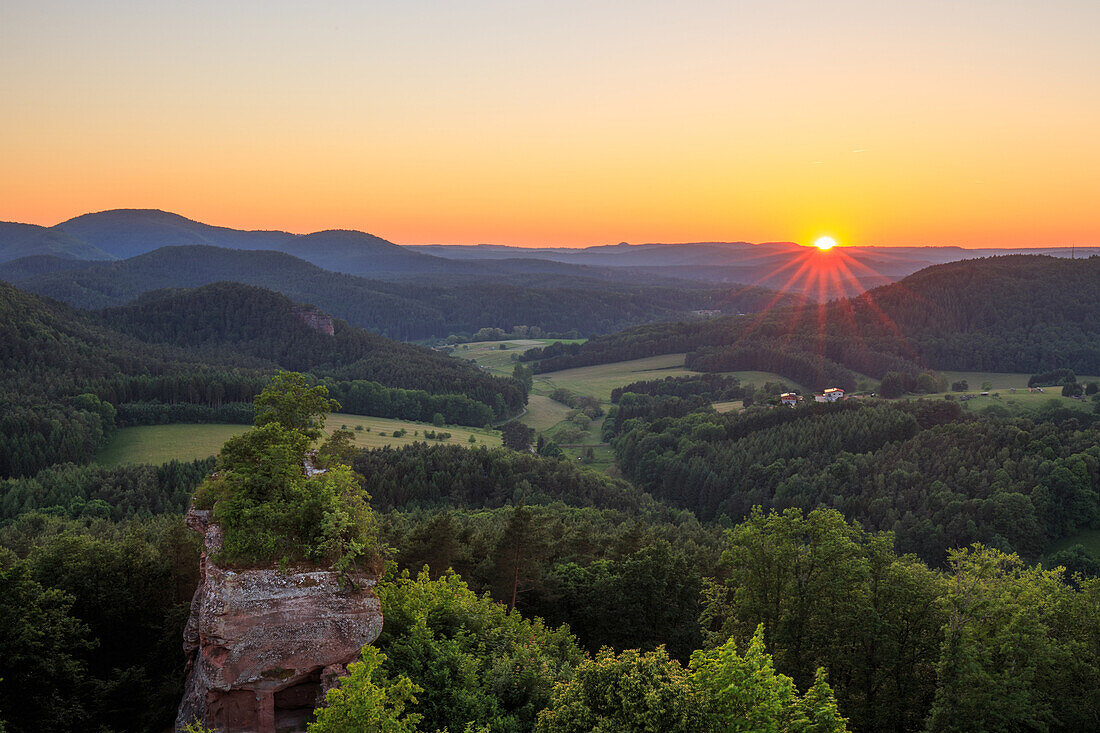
[[263, 644]]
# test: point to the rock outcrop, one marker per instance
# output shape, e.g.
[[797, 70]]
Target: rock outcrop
[[263, 645], [315, 319]]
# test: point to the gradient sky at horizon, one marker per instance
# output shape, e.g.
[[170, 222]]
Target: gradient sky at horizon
[[563, 123]]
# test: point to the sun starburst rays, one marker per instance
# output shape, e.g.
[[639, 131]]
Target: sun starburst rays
[[831, 312]]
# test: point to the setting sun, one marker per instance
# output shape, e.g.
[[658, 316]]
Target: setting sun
[[825, 243]]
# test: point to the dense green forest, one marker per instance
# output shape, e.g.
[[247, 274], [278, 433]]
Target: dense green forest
[[423, 307], [71, 377], [93, 612], [903, 646], [933, 475], [1019, 313], [438, 476], [98, 492]]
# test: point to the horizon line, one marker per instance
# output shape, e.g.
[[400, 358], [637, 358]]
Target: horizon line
[[696, 242]]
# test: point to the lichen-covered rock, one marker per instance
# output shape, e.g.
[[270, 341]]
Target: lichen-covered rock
[[263, 644]]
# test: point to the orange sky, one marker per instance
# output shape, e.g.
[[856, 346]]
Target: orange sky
[[565, 123]]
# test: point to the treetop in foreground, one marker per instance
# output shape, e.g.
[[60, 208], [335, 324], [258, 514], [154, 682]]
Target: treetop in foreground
[[719, 691], [273, 505]]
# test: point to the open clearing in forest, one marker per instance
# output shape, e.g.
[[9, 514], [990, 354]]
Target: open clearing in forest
[[1003, 380], [489, 355], [1000, 385], [548, 417], [598, 381], [759, 379], [157, 444], [543, 413], [1023, 402], [371, 435]]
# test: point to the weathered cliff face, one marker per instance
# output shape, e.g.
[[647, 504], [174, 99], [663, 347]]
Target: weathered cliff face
[[264, 645], [315, 319]]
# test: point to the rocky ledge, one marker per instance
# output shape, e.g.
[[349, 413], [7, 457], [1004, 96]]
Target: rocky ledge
[[263, 645]]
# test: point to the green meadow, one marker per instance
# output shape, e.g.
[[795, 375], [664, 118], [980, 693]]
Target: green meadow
[[157, 444], [1000, 386]]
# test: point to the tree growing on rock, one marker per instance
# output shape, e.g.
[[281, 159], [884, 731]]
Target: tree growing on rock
[[271, 509]]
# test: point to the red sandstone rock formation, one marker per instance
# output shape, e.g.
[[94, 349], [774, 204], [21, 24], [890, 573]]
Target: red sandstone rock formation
[[264, 645], [315, 319]]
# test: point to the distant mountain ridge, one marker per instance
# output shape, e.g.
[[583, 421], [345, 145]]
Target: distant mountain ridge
[[126, 233], [129, 232], [417, 308], [23, 240], [768, 264]]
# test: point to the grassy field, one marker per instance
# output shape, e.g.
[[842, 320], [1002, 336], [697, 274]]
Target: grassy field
[[760, 378], [489, 355], [1000, 380], [1001, 384], [159, 443], [598, 381], [548, 417], [543, 413], [371, 435], [727, 406], [1024, 402], [602, 455]]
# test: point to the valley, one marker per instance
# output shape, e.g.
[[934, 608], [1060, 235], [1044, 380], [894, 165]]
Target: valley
[[591, 367], [545, 488]]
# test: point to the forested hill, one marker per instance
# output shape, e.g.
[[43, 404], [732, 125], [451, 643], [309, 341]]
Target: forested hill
[[129, 232], [404, 310], [52, 359], [1023, 313], [68, 377], [221, 321], [926, 470], [23, 240], [1018, 313]]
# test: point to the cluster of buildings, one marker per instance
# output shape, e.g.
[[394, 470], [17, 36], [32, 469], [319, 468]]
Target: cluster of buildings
[[791, 399]]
